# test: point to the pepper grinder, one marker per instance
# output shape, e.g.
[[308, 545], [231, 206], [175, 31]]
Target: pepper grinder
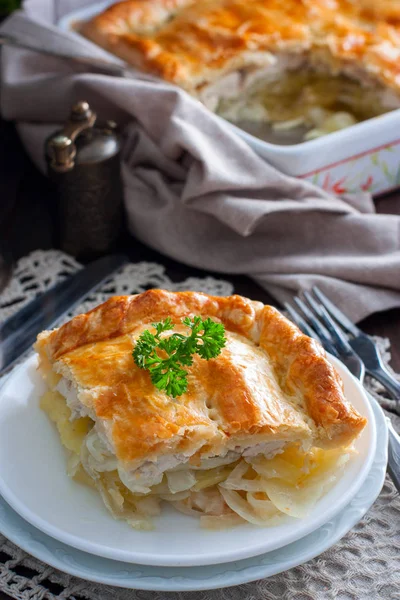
[[83, 162]]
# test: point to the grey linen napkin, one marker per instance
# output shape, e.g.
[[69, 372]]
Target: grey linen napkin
[[196, 192]]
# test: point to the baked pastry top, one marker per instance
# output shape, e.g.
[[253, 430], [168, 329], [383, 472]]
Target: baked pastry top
[[270, 385], [195, 43]]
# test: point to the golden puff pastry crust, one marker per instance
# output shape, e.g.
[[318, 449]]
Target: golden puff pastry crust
[[271, 383], [195, 43]]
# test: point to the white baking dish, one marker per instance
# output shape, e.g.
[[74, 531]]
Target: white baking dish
[[365, 156]]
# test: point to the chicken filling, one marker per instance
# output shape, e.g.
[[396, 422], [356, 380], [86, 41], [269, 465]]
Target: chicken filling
[[261, 484], [289, 95]]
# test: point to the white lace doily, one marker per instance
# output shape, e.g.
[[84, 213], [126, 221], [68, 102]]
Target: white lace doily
[[365, 564]]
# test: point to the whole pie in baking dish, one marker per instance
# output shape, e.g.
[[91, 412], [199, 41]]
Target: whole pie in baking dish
[[323, 63], [261, 430]]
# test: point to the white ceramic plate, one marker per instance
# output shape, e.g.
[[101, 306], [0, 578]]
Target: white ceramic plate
[[34, 482], [165, 579]]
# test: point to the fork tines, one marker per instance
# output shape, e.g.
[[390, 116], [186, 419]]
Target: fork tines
[[313, 315]]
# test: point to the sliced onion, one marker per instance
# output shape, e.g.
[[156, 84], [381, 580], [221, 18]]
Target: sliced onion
[[187, 510], [175, 497], [298, 500], [245, 485], [206, 479], [132, 483], [109, 464], [99, 457], [286, 125], [94, 445], [159, 489], [276, 467], [314, 133], [338, 120], [293, 482], [107, 485], [149, 506], [293, 501], [240, 506], [239, 471], [73, 464], [179, 481], [117, 497], [236, 480], [209, 501], [265, 509]]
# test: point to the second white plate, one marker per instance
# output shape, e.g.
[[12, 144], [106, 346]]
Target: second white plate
[[34, 482]]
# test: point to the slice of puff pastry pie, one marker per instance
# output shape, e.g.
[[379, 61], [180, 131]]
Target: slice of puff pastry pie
[[261, 430], [321, 63]]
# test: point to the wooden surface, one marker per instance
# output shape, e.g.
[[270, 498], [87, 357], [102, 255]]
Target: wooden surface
[[26, 223]]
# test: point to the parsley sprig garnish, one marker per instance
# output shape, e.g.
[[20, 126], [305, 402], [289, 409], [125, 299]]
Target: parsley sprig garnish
[[165, 357]]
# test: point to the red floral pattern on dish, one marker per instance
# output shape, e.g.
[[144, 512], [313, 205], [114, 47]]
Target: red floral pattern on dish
[[376, 171]]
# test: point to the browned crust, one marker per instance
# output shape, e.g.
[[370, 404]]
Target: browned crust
[[122, 314], [97, 346], [302, 365], [192, 43]]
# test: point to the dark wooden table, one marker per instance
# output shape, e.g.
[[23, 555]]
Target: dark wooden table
[[26, 223]]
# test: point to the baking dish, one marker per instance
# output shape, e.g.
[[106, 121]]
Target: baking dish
[[365, 156]]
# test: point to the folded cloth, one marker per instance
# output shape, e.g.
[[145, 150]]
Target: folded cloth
[[199, 194]]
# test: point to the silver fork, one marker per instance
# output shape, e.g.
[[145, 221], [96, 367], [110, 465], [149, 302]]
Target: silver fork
[[313, 318], [363, 345]]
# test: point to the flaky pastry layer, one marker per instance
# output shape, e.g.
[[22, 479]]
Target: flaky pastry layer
[[195, 43], [270, 384]]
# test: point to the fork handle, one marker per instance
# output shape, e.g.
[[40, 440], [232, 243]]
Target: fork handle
[[388, 382], [394, 455]]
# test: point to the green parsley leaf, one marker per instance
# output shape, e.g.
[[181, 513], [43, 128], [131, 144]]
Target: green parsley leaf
[[165, 357]]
